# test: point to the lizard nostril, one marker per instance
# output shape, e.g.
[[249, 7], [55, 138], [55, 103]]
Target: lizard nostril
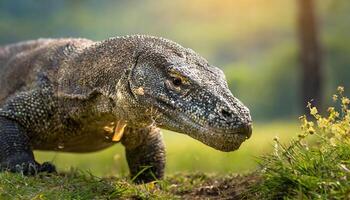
[[246, 129], [226, 114]]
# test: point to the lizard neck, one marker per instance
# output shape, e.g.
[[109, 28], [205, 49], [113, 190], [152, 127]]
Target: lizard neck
[[102, 68], [103, 65]]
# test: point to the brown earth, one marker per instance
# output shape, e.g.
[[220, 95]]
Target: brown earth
[[201, 186]]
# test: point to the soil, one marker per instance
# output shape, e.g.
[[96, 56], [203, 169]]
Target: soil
[[229, 187]]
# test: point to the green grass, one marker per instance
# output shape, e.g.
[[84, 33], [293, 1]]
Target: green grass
[[297, 172], [183, 154], [80, 185], [314, 166], [73, 185]]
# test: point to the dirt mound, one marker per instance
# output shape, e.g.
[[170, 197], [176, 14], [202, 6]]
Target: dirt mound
[[202, 186]]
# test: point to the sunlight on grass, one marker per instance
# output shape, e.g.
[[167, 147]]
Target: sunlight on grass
[[183, 153]]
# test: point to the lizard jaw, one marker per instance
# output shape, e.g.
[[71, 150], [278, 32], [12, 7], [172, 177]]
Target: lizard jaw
[[219, 139]]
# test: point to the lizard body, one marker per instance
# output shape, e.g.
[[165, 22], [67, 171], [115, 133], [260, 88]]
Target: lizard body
[[77, 95]]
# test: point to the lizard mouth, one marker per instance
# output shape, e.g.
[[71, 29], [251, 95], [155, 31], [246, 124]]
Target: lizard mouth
[[220, 139]]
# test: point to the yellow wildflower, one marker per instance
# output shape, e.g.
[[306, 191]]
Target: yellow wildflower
[[331, 109], [345, 101], [335, 97], [311, 130], [340, 89], [313, 111]]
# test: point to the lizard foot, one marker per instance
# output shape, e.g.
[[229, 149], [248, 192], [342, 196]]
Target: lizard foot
[[26, 165]]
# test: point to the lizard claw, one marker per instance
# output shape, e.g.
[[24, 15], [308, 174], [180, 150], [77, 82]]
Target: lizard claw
[[47, 167], [29, 168], [26, 166]]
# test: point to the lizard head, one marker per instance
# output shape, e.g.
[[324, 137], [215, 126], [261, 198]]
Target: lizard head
[[188, 94]]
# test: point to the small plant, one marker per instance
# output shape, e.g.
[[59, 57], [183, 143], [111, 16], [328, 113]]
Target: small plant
[[316, 165]]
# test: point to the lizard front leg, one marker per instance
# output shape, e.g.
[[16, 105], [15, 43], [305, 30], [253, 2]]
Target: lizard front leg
[[15, 152], [145, 153]]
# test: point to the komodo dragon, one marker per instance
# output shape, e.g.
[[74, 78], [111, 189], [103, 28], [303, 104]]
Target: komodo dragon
[[77, 95]]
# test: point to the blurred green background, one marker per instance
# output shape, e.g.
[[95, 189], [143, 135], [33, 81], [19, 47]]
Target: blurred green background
[[254, 41]]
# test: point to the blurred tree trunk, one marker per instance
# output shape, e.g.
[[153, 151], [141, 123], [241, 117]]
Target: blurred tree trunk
[[310, 55]]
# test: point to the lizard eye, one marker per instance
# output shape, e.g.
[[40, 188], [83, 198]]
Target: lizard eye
[[177, 81]]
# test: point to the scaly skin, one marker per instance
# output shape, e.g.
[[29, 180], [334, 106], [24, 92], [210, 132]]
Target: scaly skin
[[61, 94]]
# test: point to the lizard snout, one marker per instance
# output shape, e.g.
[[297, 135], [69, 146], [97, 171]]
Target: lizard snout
[[238, 119], [245, 129]]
